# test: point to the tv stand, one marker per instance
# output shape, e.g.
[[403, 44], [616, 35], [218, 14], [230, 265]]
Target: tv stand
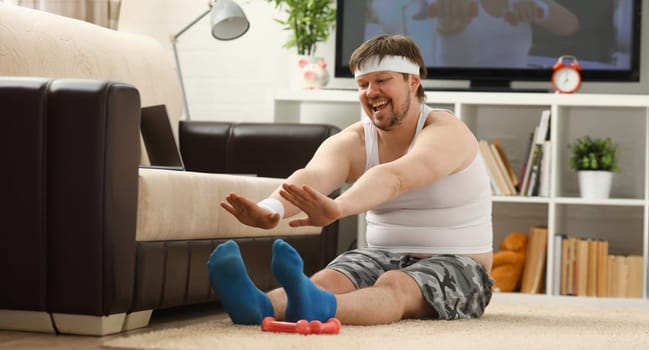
[[487, 89], [498, 85], [489, 86]]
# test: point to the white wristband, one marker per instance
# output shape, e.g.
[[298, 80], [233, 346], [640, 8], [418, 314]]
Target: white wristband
[[273, 205], [544, 6]]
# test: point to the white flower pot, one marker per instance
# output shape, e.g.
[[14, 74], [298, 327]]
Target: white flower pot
[[595, 184]]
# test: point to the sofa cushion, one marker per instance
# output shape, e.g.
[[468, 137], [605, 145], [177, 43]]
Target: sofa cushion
[[78, 49], [175, 205]]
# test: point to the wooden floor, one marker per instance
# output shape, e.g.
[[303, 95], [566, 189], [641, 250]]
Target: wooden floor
[[159, 319]]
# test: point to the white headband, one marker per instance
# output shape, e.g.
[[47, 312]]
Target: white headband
[[389, 63]]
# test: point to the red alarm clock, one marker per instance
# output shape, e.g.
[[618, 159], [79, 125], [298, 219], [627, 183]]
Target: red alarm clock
[[566, 77]]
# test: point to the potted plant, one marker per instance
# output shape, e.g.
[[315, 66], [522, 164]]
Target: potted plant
[[595, 161], [310, 22]]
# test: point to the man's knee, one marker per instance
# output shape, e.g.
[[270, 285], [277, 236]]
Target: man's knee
[[333, 281], [406, 292], [398, 281]]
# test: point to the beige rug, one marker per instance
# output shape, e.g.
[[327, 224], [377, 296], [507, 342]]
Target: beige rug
[[552, 323]]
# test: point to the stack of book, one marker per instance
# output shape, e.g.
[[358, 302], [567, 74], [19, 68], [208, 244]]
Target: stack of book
[[534, 271], [535, 172], [584, 267], [503, 178], [534, 177]]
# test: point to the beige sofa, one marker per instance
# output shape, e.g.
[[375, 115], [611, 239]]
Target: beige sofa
[[92, 241]]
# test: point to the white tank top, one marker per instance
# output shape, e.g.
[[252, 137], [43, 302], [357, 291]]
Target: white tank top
[[449, 216], [485, 42]]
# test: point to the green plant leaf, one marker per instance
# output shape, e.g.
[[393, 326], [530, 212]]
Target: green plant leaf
[[593, 154], [310, 21]]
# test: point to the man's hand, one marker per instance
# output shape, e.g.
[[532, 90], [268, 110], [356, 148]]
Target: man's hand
[[525, 11], [320, 209], [249, 213], [453, 15]]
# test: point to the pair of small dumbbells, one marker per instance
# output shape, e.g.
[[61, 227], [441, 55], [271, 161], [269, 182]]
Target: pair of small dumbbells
[[304, 327]]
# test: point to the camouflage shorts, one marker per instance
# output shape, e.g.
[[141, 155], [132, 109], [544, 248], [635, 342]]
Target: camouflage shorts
[[455, 286]]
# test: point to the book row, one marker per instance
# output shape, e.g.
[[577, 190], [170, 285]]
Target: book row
[[581, 266], [534, 176], [584, 267]]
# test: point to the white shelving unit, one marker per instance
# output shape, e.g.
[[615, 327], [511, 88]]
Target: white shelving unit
[[623, 219]]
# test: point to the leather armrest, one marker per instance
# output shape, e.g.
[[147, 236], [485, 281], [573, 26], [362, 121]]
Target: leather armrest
[[71, 156]]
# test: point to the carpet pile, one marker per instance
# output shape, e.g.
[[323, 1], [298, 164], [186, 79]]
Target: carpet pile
[[505, 325]]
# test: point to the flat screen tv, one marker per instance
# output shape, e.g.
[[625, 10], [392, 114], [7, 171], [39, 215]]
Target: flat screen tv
[[490, 52]]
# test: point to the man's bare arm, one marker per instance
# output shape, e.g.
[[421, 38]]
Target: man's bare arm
[[334, 162], [439, 151]]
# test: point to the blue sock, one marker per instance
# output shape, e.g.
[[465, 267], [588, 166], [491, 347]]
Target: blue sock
[[305, 300], [243, 301]]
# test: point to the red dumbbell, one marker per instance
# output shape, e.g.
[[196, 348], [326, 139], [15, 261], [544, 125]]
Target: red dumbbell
[[332, 326]]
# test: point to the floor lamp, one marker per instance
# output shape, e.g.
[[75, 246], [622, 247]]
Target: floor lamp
[[227, 21]]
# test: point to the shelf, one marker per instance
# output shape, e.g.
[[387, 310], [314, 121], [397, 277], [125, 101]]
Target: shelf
[[322, 95], [610, 201], [476, 98], [570, 200], [622, 219], [540, 299], [520, 199]]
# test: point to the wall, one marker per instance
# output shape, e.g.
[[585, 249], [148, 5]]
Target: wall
[[235, 80], [224, 80]]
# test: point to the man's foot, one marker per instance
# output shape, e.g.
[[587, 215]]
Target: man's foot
[[305, 300], [243, 301]]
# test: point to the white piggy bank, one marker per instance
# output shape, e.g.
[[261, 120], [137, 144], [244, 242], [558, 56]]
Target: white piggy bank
[[314, 73]]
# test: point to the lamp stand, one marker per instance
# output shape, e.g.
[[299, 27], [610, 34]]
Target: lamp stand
[[174, 39], [228, 22]]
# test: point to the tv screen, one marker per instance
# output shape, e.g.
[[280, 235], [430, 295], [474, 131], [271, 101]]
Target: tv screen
[[490, 48]]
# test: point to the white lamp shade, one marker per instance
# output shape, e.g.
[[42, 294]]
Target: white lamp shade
[[228, 20]]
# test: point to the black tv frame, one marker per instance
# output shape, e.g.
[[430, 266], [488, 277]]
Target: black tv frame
[[499, 79]]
